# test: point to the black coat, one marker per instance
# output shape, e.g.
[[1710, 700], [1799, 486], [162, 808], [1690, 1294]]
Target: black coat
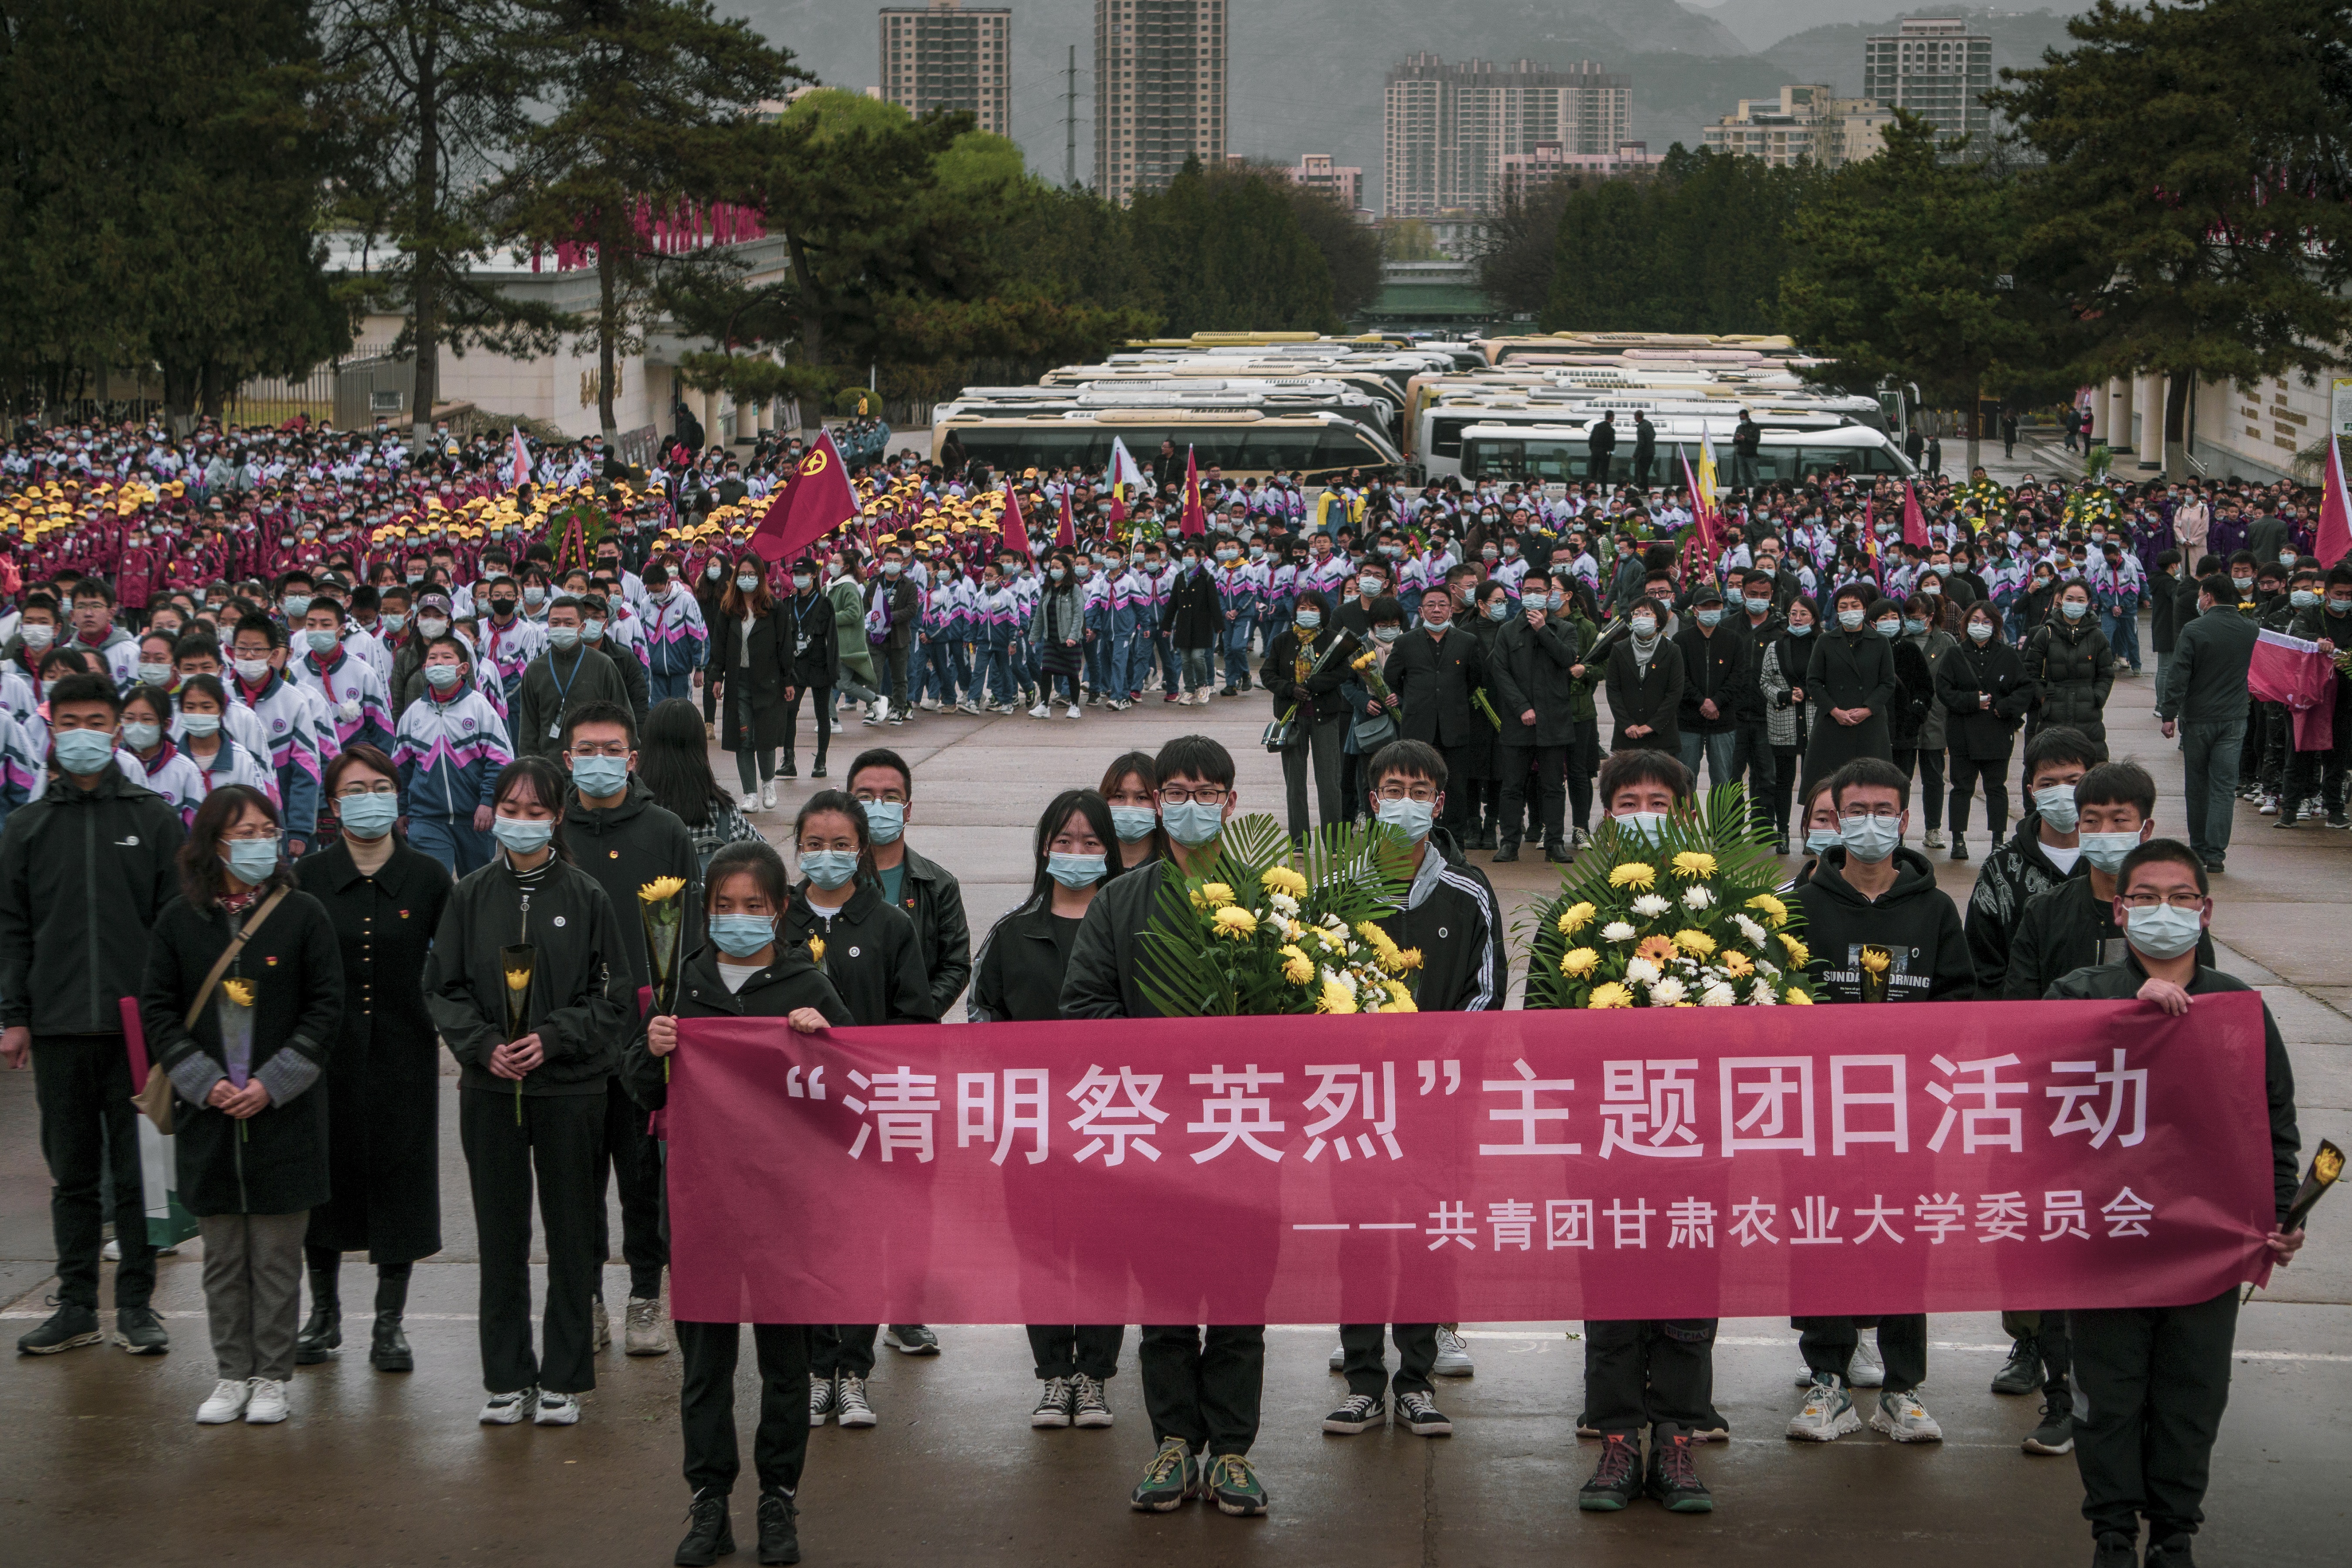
[[1714, 667], [83, 875], [625, 847], [1018, 978], [1278, 675], [1973, 670], [809, 618], [1191, 616], [581, 1001], [1653, 697], [382, 1088], [751, 695], [932, 900], [870, 955], [2073, 670], [1850, 669], [634, 679], [786, 986], [1530, 669], [1433, 677], [275, 1162], [555, 686], [906, 609], [1914, 695]]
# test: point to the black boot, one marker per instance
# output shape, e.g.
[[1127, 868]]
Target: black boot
[[1490, 831], [1509, 851], [1555, 849], [388, 1347], [323, 1334], [780, 1536], [708, 1534]]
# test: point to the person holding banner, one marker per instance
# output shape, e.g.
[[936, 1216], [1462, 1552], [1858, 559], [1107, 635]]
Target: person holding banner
[[743, 971], [2154, 1381]]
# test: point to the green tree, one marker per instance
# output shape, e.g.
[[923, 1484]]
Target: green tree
[[1522, 246], [2195, 207], [1352, 249], [1229, 254], [1408, 240]]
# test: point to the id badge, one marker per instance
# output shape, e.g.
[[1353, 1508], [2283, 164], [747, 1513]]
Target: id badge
[[555, 731]]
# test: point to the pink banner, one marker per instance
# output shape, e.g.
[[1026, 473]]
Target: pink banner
[[1482, 1166]]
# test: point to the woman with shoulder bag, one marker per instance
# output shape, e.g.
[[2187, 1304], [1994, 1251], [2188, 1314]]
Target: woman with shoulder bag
[[2073, 667], [1315, 712], [1372, 721]]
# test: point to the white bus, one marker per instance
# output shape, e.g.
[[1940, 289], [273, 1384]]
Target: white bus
[[1559, 454], [1244, 443]]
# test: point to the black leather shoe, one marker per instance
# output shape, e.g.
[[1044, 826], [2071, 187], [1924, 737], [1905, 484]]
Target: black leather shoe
[[1556, 851], [2171, 1552], [1509, 852], [780, 1535], [2113, 1549], [320, 1338], [709, 1535], [388, 1348]]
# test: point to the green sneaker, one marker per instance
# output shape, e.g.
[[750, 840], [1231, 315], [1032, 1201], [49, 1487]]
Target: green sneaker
[[1236, 1487], [1172, 1480]]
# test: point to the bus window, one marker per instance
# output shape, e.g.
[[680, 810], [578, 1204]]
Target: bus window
[[1342, 447], [1445, 436]]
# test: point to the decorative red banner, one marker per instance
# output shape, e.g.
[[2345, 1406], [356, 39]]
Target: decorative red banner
[[1482, 1166]]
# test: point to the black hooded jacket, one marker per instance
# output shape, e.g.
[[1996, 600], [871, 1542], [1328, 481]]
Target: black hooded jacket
[[625, 849], [84, 875], [581, 1000], [1915, 920]]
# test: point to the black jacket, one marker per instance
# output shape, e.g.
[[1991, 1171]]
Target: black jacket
[[1434, 679], [2073, 670], [557, 684], [2066, 929], [786, 986], [1915, 694], [1652, 697], [581, 1001], [1322, 694], [1102, 980], [1976, 669], [1849, 669], [870, 955], [83, 875], [2011, 876], [1914, 920], [2121, 982], [2164, 615], [1458, 927], [809, 616], [906, 609], [1191, 616], [2204, 680], [1714, 667], [1771, 634], [634, 679], [275, 1162], [1528, 666], [751, 695], [625, 849], [1018, 977], [930, 896]]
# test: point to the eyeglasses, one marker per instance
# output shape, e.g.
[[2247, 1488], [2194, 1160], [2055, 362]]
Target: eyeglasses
[[1423, 792], [880, 796], [263, 835], [360, 788], [1865, 813], [600, 749], [2148, 900], [1207, 794]]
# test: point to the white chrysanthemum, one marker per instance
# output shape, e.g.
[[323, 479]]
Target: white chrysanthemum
[[1650, 906], [1666, 993], [1341, 977], [1771, 969], [1696, 897], [1641, 971], [1718, 994], [1282, 903], [1748, 929], [1617, 930], [1759, 993]]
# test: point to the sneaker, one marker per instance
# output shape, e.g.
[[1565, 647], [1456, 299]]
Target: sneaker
[[2170, 1553], [1234, 1486], [1865, 1370], [1935, 839], [67, 1328], [708, 1534], [928, 705], [1453, 1354], [140, 1332], [1074, 712], [1053, 1404], [751, 801], [1616, 1480], [2115, 1551], [1960, 848], [1339, 1361], [558, 1409], [2288, 817], [600, 1322], [642, 1334], [1903, 1418], [507, 1409], [780, 1533], [1828, 1413], [267, 1404], [226, 1403], [911, 1339], [1421, 1415], [1357, 1412], [1091, 1400], [2338, 819], [2268, 806], [850, 1398], [1170, 1481], [1673, 1477], [2056, 1433], [969, 706], [1040, 711], [822, 1402], [2022, 1374], [768, 794], [1713, 1427]]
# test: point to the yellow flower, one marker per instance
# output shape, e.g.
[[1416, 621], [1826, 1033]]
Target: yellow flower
[[241, 991], [1656, 948], [1611, 995], [1695, 942], [1633, 874], [1736, 964], [1575, 918], [1211, 896], [1399, 1001], [1876, 959], [1376, 938], [1406, 962], [1693, 863], [1335, 998], [1798, 954], [816, 950], [1296, 967], [1283, 879], [1774, 910], [518, 979], [1799, 999], [1234, 922], [1578, 962], [661, 889]]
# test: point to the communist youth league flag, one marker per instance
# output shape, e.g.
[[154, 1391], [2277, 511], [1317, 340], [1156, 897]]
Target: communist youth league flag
[[1196, 517], [517, 458], [1914, 522], [817, 500], [2294, 672], [1067, 536], [1016, 531]]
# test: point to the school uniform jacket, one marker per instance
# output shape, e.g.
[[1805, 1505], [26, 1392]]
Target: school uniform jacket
[[871, 956]]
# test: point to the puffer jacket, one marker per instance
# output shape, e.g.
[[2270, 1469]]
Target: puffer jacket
[[2073, 670]]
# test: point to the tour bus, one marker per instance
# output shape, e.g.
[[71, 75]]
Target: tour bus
[[1385, 373], [1557, 454], [1580, 383], [1692, 348], [1437, 442], [1285, 395], [1244, 443]]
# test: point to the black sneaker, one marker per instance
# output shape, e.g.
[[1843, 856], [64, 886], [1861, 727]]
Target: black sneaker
[[1674, 1477], [1358, 1413], [709, 1535], [789, 771], [320, 1338], [2056, 1433], [2022, 1374], [2338, 819], [1616, 1479], [68, 1328], [2171, 1552], [2115, 1550], [139, 1330], [780, 1533]]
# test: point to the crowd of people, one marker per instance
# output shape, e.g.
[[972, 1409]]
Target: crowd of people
[[307, 736]]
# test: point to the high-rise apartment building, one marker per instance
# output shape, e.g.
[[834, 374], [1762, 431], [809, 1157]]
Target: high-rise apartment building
[[1935, 69], [1547, 164], [1160, 91], [1342, 183], [1450, 126], [1804, 122], [945, 56]]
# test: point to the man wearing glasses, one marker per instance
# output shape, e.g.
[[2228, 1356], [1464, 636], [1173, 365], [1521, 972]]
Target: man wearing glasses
[[2155, 1379], [621, 837]]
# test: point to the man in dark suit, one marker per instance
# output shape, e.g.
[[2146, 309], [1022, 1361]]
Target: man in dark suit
[[1433, 671], [1646, 448], [1600, 442]]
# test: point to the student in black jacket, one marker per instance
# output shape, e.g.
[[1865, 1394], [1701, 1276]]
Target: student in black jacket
[[743, 971], [1716, 677], [1018, 979], [1434, 670], [534, 1106], [1645, 684], [2072, 926], [1530, 668], [598, 609], [2155, 1379], [921, 889], [807, 614]]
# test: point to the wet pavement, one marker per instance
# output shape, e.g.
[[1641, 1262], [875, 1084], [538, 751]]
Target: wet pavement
[[106, 1464]]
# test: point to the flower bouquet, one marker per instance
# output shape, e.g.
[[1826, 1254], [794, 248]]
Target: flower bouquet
[[1268, 932], [2091, 503], [234, 1010], [1366, 667], [1690, 918]]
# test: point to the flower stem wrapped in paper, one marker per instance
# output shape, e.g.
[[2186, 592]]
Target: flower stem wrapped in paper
[[661, 906], [1269, 931], [1688, 918], [516, 963]]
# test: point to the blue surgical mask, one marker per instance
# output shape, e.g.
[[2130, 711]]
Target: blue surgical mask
[[829, 869], [84, 752], [2106, 851], [1821, 838], [746, 581], [1805, 630], [521, 837], [201, 725], [1500, 610], [392, 621], [296, 604], [2056, 805], [740, 936], [1411, 817], [2302, 598], [2164, 931], [1647, 825], [1132, 822], [1889, 627], [1309, 619], [369, 816], [1757, 606], [1075, 871], [2073, 609], [251, 861], [1710, 617], [1193, 823], [154, 674], [1913, 627], [563, 639], [600, 778], [1850, 619], [321, 641], [885, 820], [443, 676], [140, 736], [1871, 839]]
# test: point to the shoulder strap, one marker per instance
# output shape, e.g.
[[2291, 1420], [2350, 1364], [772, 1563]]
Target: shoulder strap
[[229, 955]]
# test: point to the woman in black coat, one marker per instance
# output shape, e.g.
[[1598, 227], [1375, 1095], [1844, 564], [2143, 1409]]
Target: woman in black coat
[[1018, 979], [1850, 683], [1645, 684], [250, 1142], [2072, 665], [1193, 621], [754, 647], [382, 1089], [1059, 632], [807, 615], [1322, 712], [1983, 687]]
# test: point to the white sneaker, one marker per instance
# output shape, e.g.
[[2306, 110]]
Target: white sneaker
[[226, 1403], [1935, 839], [599, 1323], [928, 705], [820, 1400], [113, 1251], [970, 707], [558, 1410], [1040, 711], [2268, 806], [267, 1407], [507, 1409], [643, 1334], [1075, 711], [1866, 1371], [1453, 1355], [768, 794], [751, 801], [1905, 1419], [1338, 1358], [1828, 1413], [1053, 1404], [850, 1397]]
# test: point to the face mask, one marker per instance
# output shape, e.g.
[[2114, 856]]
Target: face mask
[[201, 725], [2106, 851], [1821, 838], [138, 736], [1500, 610], [600, 778], [746, 581], [1981, 630], [443, 676], [38, 637], [1411, 817], [368, 816], [521, 837], [2073, 610], [1710, 617], [740, 936], [83, 751], [1075, 870], [1934, 589], [322, 640], [1193, 823], [1386, 634], [1646, 826], [1309, 619], [432, 626], [2302, 598], [502, 608], [835, 568], [885, 820], [1757, 606], [2286, 557], [2244, 584], [1132, 822], [252, 671], [1554, 601], [892, 568], [2056, 805], [2339, 607], [1888, 628], [1055, 573], [1798, 631], [1645, 625], [563, 639], [802, 581], [2164, 931], [592, 630], [829, 869], [251, 861], [1871, 839], [1913, 627], [295, 604], [1850, 619], [154, 674]]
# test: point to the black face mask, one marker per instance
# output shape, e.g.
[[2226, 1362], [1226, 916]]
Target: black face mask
[[502, 607]]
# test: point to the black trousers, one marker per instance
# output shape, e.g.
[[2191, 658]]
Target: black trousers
[[838, 1350], [706, 1404], [81, 1084], [1828, 1346], [1550, 767], [712, 681], [560, 1141], [1365, 1367], [1204, 1385], [2047, 1333], [1994, 771], [1065, 1351], [1583, 761], [1929, 767], [1787, 762], [1754, 763], [1320, 752], [635, 1158], [2150, 1385], [1465, 796], [821, 698], [1649, 1372]]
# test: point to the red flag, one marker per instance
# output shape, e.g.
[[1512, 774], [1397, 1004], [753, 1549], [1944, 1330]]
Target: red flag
[[1914, 522], [817, 500], [1067, 536], [2333, 540], [2294, 673], [1196, 517], [1016, 532], [518, 460], [1117, 509]]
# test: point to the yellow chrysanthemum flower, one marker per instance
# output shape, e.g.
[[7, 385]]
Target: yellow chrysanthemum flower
[[1236, 922], [1799, 999], [1283, 879], [1876, 960], [1335, 998], [1296, 967], [517, 980], [1798, 954], [241, 992], [1376, 938], [1211, 896], [1408, 960], [1611, 995], [1578, 962], [1695, 942], [1575, 918], [1399, 1001], [1693, 863], [662, 888], [1633, 874], [1773, 908], [816, 950]]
